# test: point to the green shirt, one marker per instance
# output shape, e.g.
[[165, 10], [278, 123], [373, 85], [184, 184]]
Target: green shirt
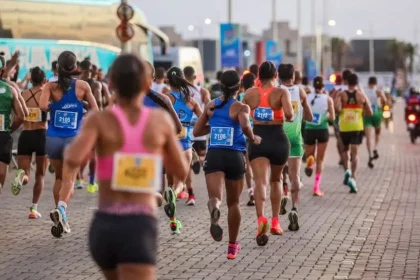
[[6, 106]]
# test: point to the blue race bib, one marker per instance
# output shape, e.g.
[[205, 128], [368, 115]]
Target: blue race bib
[[263, 114], [316, 119], [374, 107], [221, 136], [67, 120]]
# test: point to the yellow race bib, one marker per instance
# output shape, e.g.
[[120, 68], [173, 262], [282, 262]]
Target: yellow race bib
[[2, 128], [137, 173], [34, 115], [295, 107], [351, 117], [182, 134]]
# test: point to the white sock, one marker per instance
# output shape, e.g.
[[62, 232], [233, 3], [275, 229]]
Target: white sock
[[62, 204], [34, 206]]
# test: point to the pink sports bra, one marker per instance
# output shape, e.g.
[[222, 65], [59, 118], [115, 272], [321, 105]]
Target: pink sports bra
[[133, 140]]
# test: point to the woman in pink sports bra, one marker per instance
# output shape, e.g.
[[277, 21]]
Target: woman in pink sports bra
[[131, 142]]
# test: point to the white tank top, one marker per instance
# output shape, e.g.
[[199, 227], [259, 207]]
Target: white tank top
[[373, 98], [320, 105], [342, 87], [296, 102], [196, 94], [158, 87]]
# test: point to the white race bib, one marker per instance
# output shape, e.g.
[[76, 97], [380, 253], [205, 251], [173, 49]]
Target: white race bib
[[221, 136]]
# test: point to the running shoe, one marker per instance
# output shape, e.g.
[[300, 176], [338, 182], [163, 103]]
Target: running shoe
[[262, 229], [190, 201], [352, 185], [92, 188], [183, 195], [347, 176], [34, 214], [216, 230], [283, 204], [370, 163], [59, 218], [251, 201], [309, 169], [318, 192], [233, 250], [170, 206], [275, 227], [375, 154], [195, 163], [175, 226], [51, 169], [18, 183], [79, 184], [294, 221]]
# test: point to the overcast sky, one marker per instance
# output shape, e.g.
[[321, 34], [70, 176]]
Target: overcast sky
[[390, 18]]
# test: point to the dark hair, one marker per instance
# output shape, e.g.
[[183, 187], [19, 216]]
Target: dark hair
[[305, 81], [373, 80], [160, 73], [94, 68], [189, 73], [2, 60], [248, 81], [128, 76], [318, 82], [219, 75], [176, 80], [37, 76], [346, 74], [66, 64], [338, 79], [353, 80], [54, 65], [267, 71], [230, 83], [85, 64], [254, 69], [286, 72]]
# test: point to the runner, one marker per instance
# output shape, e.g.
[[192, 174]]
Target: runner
[[372, 124], [130, 140], [254, 70], [159, 83], [247, 82], [202, 96], [269, 105], [306, 87], [228, 121], [9, 101], [185, 106], [215, 90], [351, 104], [32, 140], [66, 108], [316, 133], [54, 69], [302, 112]]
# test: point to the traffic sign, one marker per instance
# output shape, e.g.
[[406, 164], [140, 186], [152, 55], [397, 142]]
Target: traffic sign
[[125, 12], [125, 32]]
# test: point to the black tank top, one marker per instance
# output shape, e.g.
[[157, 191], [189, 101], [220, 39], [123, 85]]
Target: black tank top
[[351, 97]]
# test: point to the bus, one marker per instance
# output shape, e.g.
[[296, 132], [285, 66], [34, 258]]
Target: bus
[[79, 22]]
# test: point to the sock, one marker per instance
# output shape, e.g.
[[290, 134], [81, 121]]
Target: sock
[[190, 191], [62, 204], [92, 178], [294, 209], [317, 181], [34, 206]]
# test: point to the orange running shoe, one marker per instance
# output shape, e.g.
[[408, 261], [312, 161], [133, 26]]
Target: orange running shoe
[[262, 229], [233, 250], [310, 161], [275, 227], [183, 195]]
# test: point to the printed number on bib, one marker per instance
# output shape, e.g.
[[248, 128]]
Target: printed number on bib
[[221, 136], [65, 119], [2, 128], [351, 117], [263, 114], [295, 107], [183, 134], [138, 173], [34, 115], [316, 119]]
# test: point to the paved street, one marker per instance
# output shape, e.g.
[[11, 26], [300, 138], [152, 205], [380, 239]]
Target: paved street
[[372, 235]]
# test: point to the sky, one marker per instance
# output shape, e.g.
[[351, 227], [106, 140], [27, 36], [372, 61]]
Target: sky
[[377, 18]]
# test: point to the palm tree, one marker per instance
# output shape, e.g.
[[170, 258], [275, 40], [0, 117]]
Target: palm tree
[[339, 48], [411, 51], [398, 51]]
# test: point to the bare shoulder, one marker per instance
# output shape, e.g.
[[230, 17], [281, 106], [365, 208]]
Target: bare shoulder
[[160, 120], [82, 84], [163, 97]]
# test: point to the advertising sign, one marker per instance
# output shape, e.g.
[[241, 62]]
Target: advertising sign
[[273, 53], [231, 45]]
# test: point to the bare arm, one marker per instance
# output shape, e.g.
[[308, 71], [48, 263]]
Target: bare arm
[[17, 110], [331, 111], [286, 103], [88, 96], [171, 111], [338, 101], [205, 96], [307, 111], [107, 95], [44, 100], [243, 118], [20, 97], [381, 95], [201, 128], [367, 108], [197, 109]]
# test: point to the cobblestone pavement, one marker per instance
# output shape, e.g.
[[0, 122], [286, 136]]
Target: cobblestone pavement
[[371, 235]]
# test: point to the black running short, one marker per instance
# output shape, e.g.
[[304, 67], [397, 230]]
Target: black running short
[[6, 146], [123, 239], [274, 145], [230, 162], [351, 138], [200, 145], [313, 136], [32, 141]]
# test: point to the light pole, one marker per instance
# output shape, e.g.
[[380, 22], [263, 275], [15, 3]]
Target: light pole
[[299, 38], [359, 32], [230, 11], [274, 19], [200, 41]]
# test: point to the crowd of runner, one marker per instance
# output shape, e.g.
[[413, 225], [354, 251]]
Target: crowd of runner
[[142, 142]]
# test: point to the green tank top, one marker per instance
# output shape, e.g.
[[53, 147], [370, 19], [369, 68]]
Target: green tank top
[[294, 129], [6, 106]]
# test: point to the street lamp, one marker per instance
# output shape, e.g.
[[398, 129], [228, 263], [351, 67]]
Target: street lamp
[[331, 22], [359, 32], [190, 27], [207, 21]]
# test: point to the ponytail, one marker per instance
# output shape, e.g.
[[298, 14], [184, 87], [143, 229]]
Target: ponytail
[[66, 64], [230, 84], [176, 80]]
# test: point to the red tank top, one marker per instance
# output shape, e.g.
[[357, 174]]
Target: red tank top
[[264, 112]]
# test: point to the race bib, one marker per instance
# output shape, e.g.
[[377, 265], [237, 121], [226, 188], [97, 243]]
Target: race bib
[[221, 136], [2, 128], [65, 119], [183, 134], [316, 119], [351, 117], [137, 173], [34, 115], [263, 114], [295, 107]]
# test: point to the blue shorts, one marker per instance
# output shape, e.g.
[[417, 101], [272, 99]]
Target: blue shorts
[[56, 146], [186, 145]]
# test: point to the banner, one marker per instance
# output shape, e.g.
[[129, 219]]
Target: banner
[[311, 71], [273, 53], [42, 53], [231, 45]]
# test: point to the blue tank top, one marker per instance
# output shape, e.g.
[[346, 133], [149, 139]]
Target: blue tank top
[[66, 114], [149, 101], [185, 115], [225, 133]]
